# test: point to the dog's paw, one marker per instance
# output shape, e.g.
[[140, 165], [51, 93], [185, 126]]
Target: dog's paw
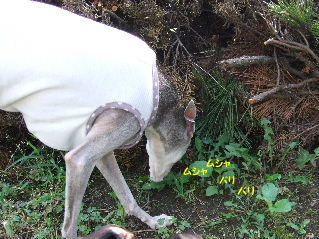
[[162, 221]]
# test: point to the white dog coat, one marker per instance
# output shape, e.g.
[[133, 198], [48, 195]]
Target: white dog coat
[[61, 71]]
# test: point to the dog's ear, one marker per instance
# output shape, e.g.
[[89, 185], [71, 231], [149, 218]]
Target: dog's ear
[[185, 235], [110, 232], [190, 115]]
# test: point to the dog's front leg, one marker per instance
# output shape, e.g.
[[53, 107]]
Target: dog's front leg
[[110, 170], [78, 171], [112, 129]]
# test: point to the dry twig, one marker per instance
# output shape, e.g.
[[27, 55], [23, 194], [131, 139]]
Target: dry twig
[[278, 68], [269, 93], [293, 45], [305, 131]]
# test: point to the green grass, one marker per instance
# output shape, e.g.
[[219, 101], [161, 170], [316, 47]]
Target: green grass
[[32, 192], [32, 201], [260, 215], [220, 104], [301, 14]]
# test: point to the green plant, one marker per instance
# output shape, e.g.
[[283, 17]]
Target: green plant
[[165, 232], [219, 152], [117, 216], [252, 220], [33, 203], [269, 194], [246, 164], [298, 179], [301, 228], [221, 107], [268, 136], [305, 157], [301, 14], [177, 182], [89, 216]]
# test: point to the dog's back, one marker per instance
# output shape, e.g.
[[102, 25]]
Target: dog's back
[[56, 68]]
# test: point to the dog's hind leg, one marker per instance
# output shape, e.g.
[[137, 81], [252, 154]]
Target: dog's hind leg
[[111, 129]]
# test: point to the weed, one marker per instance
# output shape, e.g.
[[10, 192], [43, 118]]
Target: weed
[[117, 216], [245, 163], [177, 182], [165, 232], [301, 227], [305, 157], [32, 205], [222, 115], [269, 194], [88, 217]]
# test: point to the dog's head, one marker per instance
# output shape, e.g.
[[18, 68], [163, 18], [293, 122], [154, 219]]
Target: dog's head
[[116, 232], [110, 232], [186, 235], [168, 140]]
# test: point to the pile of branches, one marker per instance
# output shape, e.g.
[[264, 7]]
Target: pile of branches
[[275, 55]]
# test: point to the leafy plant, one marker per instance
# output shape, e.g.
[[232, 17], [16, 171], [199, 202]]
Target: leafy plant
[[268, 136], [269, 194], [117, 216], [246, 164], [34, 202], [87, 217], [301, 228], [305, 157], [165, 232], [212, 190], [177, 182], [252, 221]]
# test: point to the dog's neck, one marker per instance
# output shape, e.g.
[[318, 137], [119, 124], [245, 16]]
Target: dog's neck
[[169, 101]]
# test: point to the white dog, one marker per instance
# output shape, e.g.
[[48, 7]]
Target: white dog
[[88, 88]]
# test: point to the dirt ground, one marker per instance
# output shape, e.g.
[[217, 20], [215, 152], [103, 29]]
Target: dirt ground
[[199, 212]]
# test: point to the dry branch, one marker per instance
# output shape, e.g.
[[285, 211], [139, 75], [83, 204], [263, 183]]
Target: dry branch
[[293, 45], [278, 67], [269, 93], [246, 61]]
